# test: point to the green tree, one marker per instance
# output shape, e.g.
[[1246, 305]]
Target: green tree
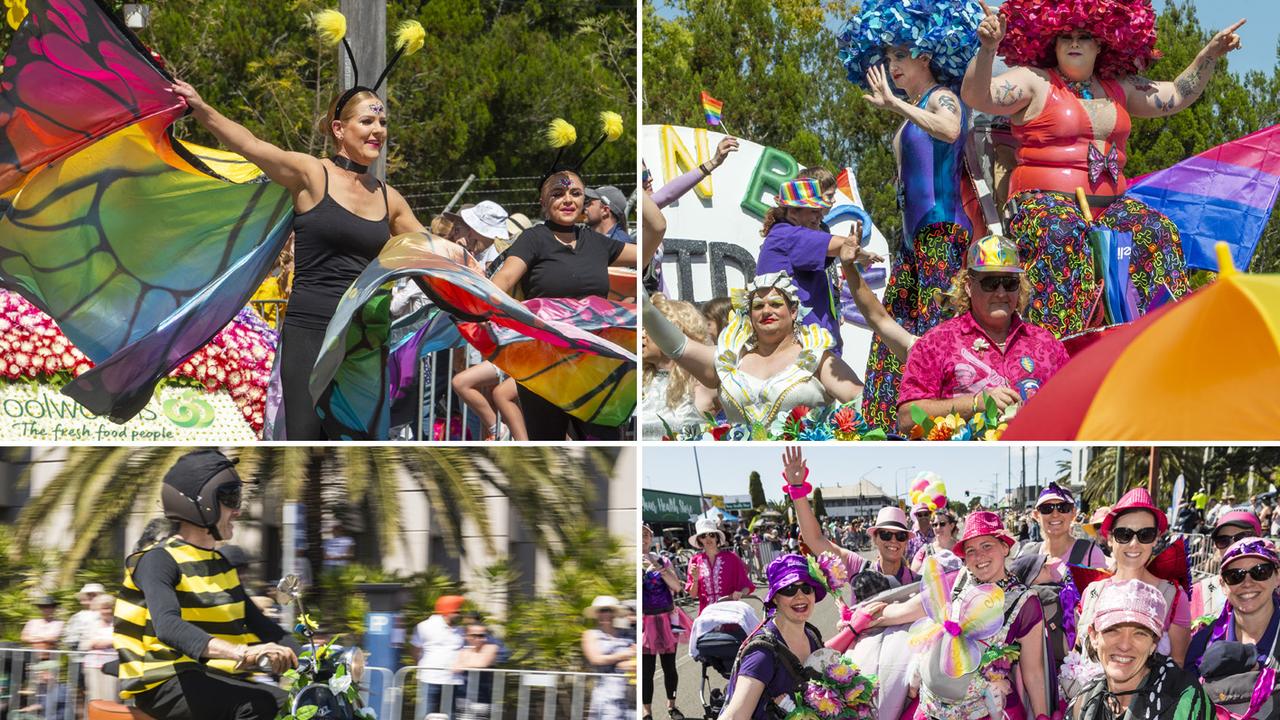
[[1223, 469], [774, 65], [756, 489], [476, 99], [819, 507]]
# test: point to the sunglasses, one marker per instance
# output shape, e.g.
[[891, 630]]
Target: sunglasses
[[887, 535], [229, 495], [1006, 283], [1124, 536], [1259, 572], [793, 588], [476, 636], [944, 523], [1064, 508], [1222, 542]]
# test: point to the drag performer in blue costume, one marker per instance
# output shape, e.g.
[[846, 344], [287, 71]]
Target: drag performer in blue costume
[[923, 49]]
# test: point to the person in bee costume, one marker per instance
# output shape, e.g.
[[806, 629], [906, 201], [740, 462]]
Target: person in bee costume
[[186, 634]]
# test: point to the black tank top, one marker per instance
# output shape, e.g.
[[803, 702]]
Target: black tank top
[[331, 247]]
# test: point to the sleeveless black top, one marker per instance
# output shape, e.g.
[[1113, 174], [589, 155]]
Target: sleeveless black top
[[331, 247]]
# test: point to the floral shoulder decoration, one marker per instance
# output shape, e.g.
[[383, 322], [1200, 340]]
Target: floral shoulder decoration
[[841, 421], [1077, 673], [238, 359], [987, 425], [835, 689]]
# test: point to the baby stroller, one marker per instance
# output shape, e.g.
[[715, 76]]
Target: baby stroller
[[714, 640]]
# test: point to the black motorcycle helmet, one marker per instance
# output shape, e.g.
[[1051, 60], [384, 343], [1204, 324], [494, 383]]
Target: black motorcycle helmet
[[197, 486]]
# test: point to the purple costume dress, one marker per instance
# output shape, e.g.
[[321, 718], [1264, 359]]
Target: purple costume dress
[[935, 233]]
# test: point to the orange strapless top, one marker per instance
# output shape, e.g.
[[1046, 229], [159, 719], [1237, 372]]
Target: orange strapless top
[[1054, 147]]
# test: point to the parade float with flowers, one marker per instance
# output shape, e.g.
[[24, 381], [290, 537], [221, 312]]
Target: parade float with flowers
[[218, 394]]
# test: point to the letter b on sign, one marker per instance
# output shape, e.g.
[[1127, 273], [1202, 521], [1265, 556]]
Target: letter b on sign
[[774, 168]]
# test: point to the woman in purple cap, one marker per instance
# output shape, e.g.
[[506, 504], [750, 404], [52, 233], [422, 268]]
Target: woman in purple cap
[[1131, 529], [1138, 682], [1249, 614], [984, 547], [889, 533], [1208, 595], [769, 666], [1055, 510]]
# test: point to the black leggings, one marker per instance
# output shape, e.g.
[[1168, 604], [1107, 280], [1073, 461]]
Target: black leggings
[[299, 348], [545, 421], [198, 695], [669, 677]]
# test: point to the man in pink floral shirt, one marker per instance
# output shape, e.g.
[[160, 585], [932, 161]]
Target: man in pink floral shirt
[[986, 351]]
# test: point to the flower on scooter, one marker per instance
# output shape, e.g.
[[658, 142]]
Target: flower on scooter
[[339, 685]]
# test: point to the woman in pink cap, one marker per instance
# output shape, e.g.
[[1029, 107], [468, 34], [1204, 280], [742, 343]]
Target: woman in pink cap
[[1249, 615], [984, 547], [1131, 529], [889, 533], [1208, 595], [1138, 682]]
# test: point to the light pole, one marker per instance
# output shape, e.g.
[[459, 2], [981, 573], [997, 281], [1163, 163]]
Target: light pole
[[898, 483], [862, 477]]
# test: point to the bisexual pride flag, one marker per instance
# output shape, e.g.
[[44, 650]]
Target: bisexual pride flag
[[1224, 194], [711, 107]]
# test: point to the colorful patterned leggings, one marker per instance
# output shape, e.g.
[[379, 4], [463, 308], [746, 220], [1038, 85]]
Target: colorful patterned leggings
[[920, 275], [1051, 236]]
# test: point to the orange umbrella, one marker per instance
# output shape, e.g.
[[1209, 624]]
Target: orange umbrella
[[1205, 368]]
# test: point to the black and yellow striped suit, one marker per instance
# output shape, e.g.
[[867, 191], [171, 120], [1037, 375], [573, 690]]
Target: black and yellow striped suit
[[211, 599]]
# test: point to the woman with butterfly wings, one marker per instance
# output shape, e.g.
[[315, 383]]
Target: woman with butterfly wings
[[983, 630]]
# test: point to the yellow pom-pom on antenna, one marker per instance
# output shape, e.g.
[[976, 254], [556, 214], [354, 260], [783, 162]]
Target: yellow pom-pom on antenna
[[411, 36], [561, 134], [331, 26], [612, 124]]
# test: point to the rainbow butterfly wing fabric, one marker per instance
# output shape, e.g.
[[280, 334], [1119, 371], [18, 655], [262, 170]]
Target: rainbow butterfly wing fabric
[[586, 374], [963, 627], [125, 236]]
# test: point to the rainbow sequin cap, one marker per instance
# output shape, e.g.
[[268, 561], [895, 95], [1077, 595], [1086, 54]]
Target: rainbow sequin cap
[[993, 253], [801, 193]]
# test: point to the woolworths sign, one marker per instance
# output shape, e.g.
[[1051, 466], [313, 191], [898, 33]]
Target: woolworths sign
[[38, 412]]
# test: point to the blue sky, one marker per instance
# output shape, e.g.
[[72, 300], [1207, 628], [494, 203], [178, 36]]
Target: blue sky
[[963, 466], [1258, 37]]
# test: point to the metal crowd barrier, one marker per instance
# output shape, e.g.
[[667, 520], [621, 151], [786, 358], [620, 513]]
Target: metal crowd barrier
[[26, 683], [1201, 555], [435, 389], [515, 694]]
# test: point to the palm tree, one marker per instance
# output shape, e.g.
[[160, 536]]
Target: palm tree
[[549, 487], [1223, 469]]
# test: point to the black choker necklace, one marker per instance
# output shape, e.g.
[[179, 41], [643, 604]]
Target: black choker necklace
[[557, 227], [347, 163]]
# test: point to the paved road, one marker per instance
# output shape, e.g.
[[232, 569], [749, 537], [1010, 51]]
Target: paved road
[[690, 671]]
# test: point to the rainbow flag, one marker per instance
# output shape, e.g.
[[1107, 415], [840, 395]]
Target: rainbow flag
[[1224, 194], [711, 107]]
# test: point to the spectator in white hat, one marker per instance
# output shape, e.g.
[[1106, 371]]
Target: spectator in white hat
[[86, 618], [606, 209], [478, 227], [716, 573]]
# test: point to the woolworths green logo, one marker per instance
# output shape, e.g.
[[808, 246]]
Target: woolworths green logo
[[189, 410]]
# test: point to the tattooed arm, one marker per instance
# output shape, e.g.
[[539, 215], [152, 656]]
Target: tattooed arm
[[940, 117], [1006, 94], [1151, 98]]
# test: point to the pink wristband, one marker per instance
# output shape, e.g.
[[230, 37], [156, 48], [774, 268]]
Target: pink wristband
[[796, 492]]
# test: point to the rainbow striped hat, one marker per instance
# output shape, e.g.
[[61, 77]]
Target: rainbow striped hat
[[803, 193], [993, 253]]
